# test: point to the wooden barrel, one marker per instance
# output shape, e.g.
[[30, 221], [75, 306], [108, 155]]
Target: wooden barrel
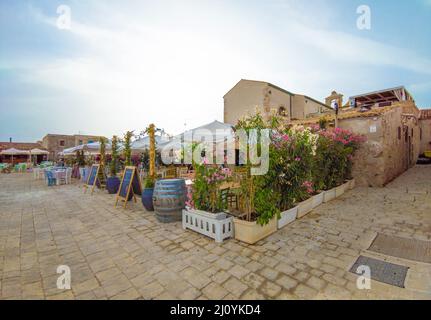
[[169, 199]]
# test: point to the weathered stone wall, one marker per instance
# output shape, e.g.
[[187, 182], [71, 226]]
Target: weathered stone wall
[[369, 161], [392, 147], [395, 146], [425, 143]]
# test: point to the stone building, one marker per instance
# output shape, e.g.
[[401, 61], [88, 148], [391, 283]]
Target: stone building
[[249, 96], [390, 120], [25, 146], [56, 143], [393, 140], [425, 130]]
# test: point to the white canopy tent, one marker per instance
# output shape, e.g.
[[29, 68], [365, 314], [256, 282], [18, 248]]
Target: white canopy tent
[[144, 143], [14, 152], [89, 148], [215, 133], [38, 152]]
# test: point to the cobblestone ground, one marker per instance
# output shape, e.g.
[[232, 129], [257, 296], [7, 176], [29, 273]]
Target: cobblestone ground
[[117, 253]]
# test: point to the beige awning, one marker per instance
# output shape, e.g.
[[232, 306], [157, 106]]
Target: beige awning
[[14, 152], [37, 151]]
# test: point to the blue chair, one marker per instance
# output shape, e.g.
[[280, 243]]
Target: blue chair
[[50, 178]]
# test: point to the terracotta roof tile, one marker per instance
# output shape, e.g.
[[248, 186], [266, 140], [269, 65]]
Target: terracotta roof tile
[[20, 145]]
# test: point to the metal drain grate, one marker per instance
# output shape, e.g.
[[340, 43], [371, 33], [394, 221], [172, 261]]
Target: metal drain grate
[[409, 249], [383, 271]]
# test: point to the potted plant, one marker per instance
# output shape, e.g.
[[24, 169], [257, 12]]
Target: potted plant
[[291, 155], [261, 222], [127, 151], [335, 150], [113, 182], [147, 194], [260, 193], [206, 204]]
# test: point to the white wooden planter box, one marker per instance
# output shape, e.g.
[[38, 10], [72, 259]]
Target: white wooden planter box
[[339, 191], [318, 199], [287, 217], [352, 184], [305, 207], [216, 226], [329, 195]]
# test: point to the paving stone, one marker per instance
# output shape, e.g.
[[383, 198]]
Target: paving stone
[[127, 254], [269, 273], [253, 280], [238, 271], [316, 283], [152, 290], [214, 291], [287, 282], [234, 286], [196, 278], [252, 294], [304, 292], [270, 289]]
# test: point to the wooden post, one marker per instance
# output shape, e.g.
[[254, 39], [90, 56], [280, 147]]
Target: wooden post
[[151, 134]]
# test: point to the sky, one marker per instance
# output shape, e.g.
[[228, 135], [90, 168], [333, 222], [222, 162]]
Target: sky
[[125, 64]]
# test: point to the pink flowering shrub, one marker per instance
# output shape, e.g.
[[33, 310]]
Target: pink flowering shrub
[[334, 157], [205, 194], [290, 175]]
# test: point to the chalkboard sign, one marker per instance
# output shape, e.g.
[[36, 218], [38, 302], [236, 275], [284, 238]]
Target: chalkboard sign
[[93, 179], [130, 186]]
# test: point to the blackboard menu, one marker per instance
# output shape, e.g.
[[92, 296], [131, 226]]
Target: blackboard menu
[[127, 176], [93, 175]]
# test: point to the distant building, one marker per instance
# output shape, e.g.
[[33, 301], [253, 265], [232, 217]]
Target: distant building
[[56, 143], [249, 96], [394, 128], [25, 146], [381, 98]]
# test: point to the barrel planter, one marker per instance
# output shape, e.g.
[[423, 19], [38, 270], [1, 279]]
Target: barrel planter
[[147, 199], [112, 184], [169, 199]]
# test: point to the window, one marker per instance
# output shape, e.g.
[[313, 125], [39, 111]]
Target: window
[[406, 135], [412, 133], [90, 141], [282, 111], [81, 142], [399, 133], [62, 143]]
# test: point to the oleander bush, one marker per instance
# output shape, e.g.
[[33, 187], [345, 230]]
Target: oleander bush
[[302, 162]]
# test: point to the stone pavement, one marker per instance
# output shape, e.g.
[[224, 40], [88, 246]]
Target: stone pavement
[[117, 253]]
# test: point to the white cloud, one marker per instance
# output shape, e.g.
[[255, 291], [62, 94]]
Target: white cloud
[[134, 69]]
